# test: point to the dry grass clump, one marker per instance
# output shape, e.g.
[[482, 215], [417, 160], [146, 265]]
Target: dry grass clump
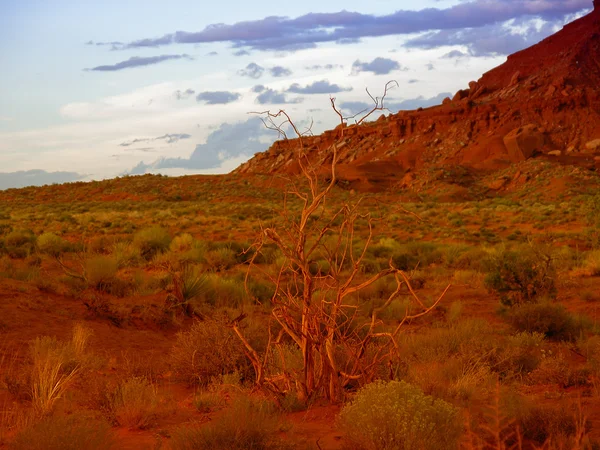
[[246, 424], [134, 403], [207, 350], [66, 433], [399, 416]]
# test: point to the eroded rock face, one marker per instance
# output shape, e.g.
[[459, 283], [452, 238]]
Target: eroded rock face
[[523, 142], [552, 86]]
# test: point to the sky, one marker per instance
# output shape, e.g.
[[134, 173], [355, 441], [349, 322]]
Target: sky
[[93, 90]]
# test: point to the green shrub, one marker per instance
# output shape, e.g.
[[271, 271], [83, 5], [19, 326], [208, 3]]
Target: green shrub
[[207, 350], [247, 424], [66, 433], [101, 271], [549, 319], [151, 241], [398, 416], [521, 276], [51, 244], [19, 243]]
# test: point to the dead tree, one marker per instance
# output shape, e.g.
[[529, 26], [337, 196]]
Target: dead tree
[[313, 308]]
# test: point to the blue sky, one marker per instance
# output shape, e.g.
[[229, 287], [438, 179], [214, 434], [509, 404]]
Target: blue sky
[[94, 89]]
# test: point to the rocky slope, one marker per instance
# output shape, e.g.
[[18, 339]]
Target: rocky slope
[[543, 102]]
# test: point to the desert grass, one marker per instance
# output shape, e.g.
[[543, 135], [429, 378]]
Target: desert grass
[[135, 403], [247, 424], [66, 433]]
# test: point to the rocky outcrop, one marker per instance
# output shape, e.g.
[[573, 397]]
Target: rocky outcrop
[[522, 143], [543, 99]]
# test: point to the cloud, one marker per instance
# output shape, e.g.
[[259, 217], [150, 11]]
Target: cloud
[[241, 52], [213, 53], [455, 54], [270, 96], [379, 66], [493, 40], [138, 61], [284, 33], [217, 97], [318, 87], [36, 177], [182, 95], [114, 45], [229, 141], [168, 138], [325, 67], [280, 71], [252, 70]]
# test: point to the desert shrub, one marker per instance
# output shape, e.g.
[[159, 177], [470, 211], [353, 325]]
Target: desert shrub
[[591, 264], [396, 415], [220, 259], [187, 286], [542, 423], [472, 259], [182, 243], [100, 244], [207, 401], [523, 353], [246, 424], [227, 292], [125, 254], [151, 241], [208, 349], [51, 244], [66, 433], [261, 292], [413, 254], [457, 338], [521, 276], [549, 319], [19, 243], [101, 274], [134, 403]]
